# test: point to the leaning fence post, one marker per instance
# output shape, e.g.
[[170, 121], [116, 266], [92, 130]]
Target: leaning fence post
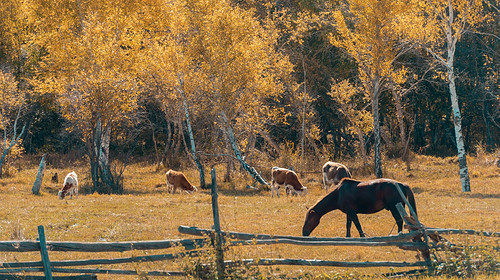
[[405, 217], [218, 237], [39, 176], [45, 255]]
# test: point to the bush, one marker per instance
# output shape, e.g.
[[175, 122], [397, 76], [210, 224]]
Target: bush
[[467, 262]]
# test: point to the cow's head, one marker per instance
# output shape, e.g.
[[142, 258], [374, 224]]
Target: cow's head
[[61, 194]]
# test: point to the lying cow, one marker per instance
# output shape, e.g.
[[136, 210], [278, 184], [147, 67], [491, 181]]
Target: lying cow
[[288, 179], [70, 186], [333, 173], [177, 180]]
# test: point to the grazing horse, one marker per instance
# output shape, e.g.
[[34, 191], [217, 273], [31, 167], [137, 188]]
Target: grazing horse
[[354, 197]]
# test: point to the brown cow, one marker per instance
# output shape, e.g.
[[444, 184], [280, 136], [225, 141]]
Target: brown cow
[[70, 185], [288, 179], [333, 173], [177, 180]]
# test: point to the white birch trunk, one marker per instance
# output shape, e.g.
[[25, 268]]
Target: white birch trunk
[[191, 139], [457, 118], [237, 152]]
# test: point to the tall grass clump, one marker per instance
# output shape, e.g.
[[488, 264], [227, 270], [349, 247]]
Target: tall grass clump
[[467, 262]]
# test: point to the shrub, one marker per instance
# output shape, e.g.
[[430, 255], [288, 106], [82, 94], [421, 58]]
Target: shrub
[[467, 262]]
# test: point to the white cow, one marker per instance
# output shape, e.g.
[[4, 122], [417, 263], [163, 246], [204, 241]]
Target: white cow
[[70, 186]]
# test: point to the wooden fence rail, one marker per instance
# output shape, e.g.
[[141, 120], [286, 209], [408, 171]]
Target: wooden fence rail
[[148, 258], [265, 261], [70, 246]]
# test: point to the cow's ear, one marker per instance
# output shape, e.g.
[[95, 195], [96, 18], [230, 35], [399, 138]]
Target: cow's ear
[[307, 208]]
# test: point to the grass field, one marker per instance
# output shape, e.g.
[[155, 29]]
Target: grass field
[[149, 213]]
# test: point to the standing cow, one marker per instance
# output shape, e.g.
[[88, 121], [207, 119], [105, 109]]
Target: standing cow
[[70, 186], [333, 173], [177, 180], [288, 179]]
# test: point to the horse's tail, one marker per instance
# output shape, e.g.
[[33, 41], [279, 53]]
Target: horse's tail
[[411, 199]]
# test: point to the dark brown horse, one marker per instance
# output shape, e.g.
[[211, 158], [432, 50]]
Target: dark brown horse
[[354, 197]]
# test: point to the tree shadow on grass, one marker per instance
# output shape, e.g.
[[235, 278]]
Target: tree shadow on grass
[[467, 195], [242, 192], [481, 195]]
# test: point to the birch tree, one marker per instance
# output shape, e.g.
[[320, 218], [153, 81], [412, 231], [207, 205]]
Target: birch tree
[[239, 66], [171, 59], [448, 20], [371, 35]]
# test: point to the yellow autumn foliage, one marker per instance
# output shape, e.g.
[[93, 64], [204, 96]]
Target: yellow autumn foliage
[[10, 98], [90, 63]]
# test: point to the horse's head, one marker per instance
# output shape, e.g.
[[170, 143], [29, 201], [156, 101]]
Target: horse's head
[[311, 222]]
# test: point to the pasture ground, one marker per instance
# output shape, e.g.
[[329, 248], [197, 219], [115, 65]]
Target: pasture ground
[[145, 212]]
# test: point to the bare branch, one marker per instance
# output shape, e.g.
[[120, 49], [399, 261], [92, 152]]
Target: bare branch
[[483, 33], [438, 57]]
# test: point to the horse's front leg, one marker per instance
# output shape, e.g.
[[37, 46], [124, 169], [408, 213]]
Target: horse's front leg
[[354, 217], [348, 226]]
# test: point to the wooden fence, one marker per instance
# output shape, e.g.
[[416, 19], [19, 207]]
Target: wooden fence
[[419, 238]]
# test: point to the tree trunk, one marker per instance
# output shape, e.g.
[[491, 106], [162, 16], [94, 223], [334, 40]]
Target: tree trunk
[[270, 141], [376, 128], [303, 130], [251, 145], [103, 179], [191, 139], [94, 173], [457, 122], [178, 142], [2, 159], [39, 177], [457, 118], [362, 146], [487, 123], [402, 132], [229, 166], [237, 152], [157, 155]]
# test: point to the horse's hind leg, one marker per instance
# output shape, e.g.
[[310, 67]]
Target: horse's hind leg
[[354, 218], [397, 217]]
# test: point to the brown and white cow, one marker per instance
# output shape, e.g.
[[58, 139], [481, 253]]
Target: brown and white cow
[[177, 180], [333, 173], [70, 186], [288, 179]]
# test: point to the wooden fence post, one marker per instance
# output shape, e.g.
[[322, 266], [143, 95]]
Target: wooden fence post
[[218, 237], [45, 255], [39, 176], [419, 226]]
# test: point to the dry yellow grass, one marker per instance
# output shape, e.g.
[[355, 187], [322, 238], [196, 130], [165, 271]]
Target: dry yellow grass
[[149, 213]]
